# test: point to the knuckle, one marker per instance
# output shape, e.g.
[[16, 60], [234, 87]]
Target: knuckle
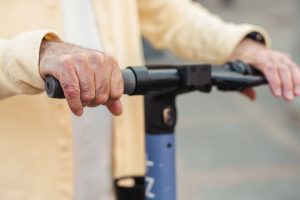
[[120, 83], [80, 58], [276, 83], [68, 67], [296, 79], [64, 58], [117, 91], [112, 61], [87, 96], [297, 82], [270, 68], [288, 88], [107, 57], [96, 57], [70, 90], [66, 62], [87, 90], [286, 84], [284, 69], [103, 87], [101, 99]]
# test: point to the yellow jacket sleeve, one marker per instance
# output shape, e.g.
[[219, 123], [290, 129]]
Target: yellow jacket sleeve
[[191, 31], [19, 63]]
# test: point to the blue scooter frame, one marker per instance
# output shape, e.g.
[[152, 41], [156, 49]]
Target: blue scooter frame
[[161, 85]]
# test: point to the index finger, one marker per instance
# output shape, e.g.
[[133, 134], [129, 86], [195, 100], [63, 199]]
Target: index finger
[[70, 85]]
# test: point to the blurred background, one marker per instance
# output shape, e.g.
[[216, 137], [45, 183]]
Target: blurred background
[[228, 147]]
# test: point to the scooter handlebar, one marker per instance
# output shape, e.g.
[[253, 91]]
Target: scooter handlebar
[[140, 80]]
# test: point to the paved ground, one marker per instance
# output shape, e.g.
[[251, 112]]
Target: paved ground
[[230, 148]]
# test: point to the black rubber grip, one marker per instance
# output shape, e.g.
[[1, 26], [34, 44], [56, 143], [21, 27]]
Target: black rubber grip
[[54, 89]]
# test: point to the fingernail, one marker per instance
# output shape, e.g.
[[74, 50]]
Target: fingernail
[[297, 90], [278, 92], [288, 94]]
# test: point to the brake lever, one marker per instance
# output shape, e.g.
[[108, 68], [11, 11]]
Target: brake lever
[[236, 76]]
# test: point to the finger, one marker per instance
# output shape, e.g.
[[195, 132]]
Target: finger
[[102, 73], [250, 93], [85, 75], [116, 88], [70, 85], [287, 82], [115, 107], [272, 75], [296, 77]]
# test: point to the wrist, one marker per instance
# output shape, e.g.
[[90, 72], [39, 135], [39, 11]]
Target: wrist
[[247, 46]]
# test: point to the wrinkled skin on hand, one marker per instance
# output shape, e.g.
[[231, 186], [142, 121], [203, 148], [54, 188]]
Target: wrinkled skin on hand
[[280, 70], [88, 78]]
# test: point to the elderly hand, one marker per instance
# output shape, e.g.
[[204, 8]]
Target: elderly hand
[[88, 78], [281, 72]]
